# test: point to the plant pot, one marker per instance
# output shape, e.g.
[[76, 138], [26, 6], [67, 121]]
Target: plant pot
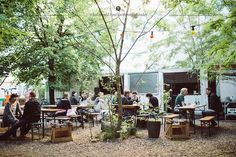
[[142, 123], [154, 128]]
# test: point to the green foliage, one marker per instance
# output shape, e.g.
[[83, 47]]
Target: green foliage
[[213, 46], [166, 98], [11, 18], [50, 36], [154, 119], [128, 129]]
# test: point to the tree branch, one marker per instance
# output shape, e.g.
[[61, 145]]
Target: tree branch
[[143, 33], [86, 26], [91, 51], [123, 31], [108, 30]]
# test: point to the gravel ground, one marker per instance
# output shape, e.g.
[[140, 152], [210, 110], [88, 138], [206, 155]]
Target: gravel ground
[[221, 144]]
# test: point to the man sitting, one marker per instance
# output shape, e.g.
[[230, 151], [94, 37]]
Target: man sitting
[[215, 107], [31, 114]]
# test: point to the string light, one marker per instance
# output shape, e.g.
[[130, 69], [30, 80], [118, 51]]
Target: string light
[[193, 32], [151, 36]]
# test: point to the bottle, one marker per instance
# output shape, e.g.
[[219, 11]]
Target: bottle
[[198, 102], [195, 101]]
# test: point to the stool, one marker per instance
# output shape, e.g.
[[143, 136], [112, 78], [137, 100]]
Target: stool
[[177, 131], [206, 122], [61, 133], [37, 126], [92, 115]]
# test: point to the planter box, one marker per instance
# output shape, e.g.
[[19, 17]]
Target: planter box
[[61, 134], [154, 128]]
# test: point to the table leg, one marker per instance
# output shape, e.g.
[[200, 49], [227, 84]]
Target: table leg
[[209, 126], [194, 121], [201, 128], [43, 122]]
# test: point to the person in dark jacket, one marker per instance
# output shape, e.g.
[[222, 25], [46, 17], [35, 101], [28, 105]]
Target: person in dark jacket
[[73, 100], [128, 98], [214, 106], [152, 100], [64, 104], [31, 114]]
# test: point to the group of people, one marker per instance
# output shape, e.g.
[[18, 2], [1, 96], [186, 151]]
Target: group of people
[[22, 120], [214, 104], [14, 118], [65, 103], [130, 98]]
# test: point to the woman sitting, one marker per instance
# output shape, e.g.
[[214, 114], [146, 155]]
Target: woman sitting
[[9, 118], [64, 105]]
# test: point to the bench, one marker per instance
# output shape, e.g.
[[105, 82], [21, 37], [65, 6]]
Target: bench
[[206, 122], [169, 117], [76, 118], [36, 125]]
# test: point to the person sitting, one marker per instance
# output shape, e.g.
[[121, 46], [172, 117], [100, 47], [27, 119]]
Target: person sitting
[[179, 101], [124, 100], [30, 115], [135, 98], [128, 98], [73, 100], [9, 118], [215, 106], [83, 98], [64, 105], [153, 101], [99, 102]]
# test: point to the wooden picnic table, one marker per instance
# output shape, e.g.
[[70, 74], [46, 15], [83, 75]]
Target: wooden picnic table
[[190, 108], [47, 110]]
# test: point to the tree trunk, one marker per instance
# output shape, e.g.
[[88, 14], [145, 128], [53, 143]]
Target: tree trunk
[[118, 86], [51, 81]]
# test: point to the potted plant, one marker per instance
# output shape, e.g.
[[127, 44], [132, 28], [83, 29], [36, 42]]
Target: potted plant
[[143, 116], [154, 123]]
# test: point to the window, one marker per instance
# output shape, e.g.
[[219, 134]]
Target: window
[[144, 82]]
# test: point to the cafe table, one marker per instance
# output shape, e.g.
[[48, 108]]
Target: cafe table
[[191, 111], [47, 110], [133, 108]]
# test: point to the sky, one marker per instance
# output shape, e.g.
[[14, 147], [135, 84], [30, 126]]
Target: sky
[[140, 55]]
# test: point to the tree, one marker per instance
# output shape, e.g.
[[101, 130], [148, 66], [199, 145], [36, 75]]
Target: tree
[[47, 51], [114, 47], [209, 21], [11, 13]]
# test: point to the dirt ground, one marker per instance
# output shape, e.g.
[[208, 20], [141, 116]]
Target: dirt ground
[[222, 143]]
